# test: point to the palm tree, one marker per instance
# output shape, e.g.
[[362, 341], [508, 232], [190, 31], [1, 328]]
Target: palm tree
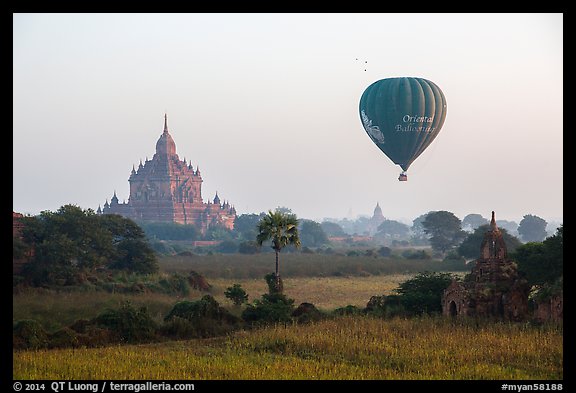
[[282, 229]]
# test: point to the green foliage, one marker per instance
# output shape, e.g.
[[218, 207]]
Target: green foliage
[[179, 328], [347, 310], [19, 248], [532, 228], [282, 229], [384, 251], [72, 240], [174, 284], [218, 232], [64, 338], [416, 254], [332, 229], [545, 291], [237, 294], [227, 247], [272, 308], [249, 247], [444, 229], [27, 334], [200, 318], [135, 255], [245, 226], [312, 234], [275, 283], [423, 293], [543, 262], [128, 323], [473, 221], [392, 228], [169, 231], [386, 306], [306, 313]]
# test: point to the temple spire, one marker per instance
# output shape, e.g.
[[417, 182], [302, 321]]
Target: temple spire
[[493, 225], [165, 122]]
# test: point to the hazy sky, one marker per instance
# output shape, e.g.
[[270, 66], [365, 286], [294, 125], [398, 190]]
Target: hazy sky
[[267, 106]]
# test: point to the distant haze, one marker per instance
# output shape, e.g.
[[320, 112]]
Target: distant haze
[[267, 106]]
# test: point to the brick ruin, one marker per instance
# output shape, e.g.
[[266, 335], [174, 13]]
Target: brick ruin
[[493, 288]]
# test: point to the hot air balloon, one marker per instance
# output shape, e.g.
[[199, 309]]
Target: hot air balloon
[[402, 116]]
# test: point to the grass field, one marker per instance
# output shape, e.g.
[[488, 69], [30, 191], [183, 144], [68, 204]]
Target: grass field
[[358, 347], [341, 348], [58, 309]]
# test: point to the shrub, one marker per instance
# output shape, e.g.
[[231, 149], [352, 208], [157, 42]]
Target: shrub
[[63, 338], [248, 247], [274, 286], [385, 306], [200, 318], [207, 307], [348, 310], [274, 307], [384, 251], [175, 284], [128, 323], [178, 327], [307, 312], [237, 294], [423, 293], [416, 254], [29, 334]]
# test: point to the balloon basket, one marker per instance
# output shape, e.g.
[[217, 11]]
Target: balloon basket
[[403, 177]]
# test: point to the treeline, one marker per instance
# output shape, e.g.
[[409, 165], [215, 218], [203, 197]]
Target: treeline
[[441, 230]]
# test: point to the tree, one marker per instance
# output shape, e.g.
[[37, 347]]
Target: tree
[[542, 262], [271, 308], [312, 234], [71, 240], [532, 228], [237, 294], [470, 247], [473, 221], [393, 228], [332, 229], [444, 229], [248, 247], [282, 229], [510, 226], [245, 226], [136, 256], [423, 293], [169, 230], [218, 232], [417, 229]]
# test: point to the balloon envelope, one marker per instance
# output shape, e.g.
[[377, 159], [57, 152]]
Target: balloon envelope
[[402, 116]]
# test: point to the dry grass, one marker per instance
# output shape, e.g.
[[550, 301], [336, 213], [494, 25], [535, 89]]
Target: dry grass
[[326, 293], [57, 309], [343, 348]]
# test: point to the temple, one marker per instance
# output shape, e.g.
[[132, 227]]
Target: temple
[[493, 288], [167, 189]]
